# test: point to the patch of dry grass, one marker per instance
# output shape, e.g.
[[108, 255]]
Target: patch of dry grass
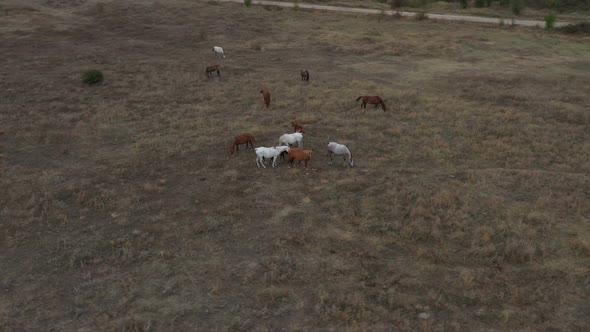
[[122, 209]]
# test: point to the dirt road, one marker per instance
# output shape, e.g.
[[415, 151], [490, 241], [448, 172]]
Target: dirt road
[[476, 19]]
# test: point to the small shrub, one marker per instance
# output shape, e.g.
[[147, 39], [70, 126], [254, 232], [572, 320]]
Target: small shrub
[[247, 3], [516, 6], [550, 21], [502, 22], [296, 7], [92, 76], [421, 16], [398, 3], [480, 3], [464, 3], [488, 3], [381, 1], [578, 28]]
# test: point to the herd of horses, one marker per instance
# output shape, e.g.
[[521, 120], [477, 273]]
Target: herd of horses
[[289, 145]]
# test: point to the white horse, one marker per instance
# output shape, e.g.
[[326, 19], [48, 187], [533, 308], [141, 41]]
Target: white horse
[[291, 139], [272, 152], [340, 150], [218, 51]]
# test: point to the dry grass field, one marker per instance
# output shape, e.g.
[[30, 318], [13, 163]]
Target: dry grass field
[[468, 208]]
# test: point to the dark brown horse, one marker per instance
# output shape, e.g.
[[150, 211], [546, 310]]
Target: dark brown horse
[[210, 69], [242, 139], [373, 100], [266, 96], [304, 75]]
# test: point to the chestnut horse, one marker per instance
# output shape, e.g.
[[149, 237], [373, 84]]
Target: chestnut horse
[[304, 75], [300, 155], [210, 69], [373, 100], [242, 139], [266, 96], [297, 128]]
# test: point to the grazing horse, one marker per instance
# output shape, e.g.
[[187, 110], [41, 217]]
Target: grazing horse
[[242, 139], [340, 150], [299, 154], [282, 156], [297, 128], [374, 100], [266, 96], [218, 51], [304, 75], [210, 69], [272, 152], [291, 139]]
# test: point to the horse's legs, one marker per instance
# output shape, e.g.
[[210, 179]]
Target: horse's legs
[[218, 73], [330, 155]]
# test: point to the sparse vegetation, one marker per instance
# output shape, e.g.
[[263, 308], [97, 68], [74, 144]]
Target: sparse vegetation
[[577, 28], [121, 208], [421, 15], [247, 3], [516, 6], [464, 3], [92, 76]]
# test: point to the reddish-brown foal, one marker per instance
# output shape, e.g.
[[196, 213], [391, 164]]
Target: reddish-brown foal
[[300, 155], [266, 96], [297, 128]]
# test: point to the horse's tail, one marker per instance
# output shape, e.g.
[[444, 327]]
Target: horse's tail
[[359, 98]]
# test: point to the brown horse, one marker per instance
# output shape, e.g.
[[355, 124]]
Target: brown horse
[[242, 139], [210, 69], [266, 96], [300, 155], [304, 75], [373, 100], [297, 128]]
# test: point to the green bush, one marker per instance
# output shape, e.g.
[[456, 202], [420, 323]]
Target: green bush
[[516, 6], [92, 76], [464, 3], [550, 21], [247, 3], [480, 3], [502, 22]]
